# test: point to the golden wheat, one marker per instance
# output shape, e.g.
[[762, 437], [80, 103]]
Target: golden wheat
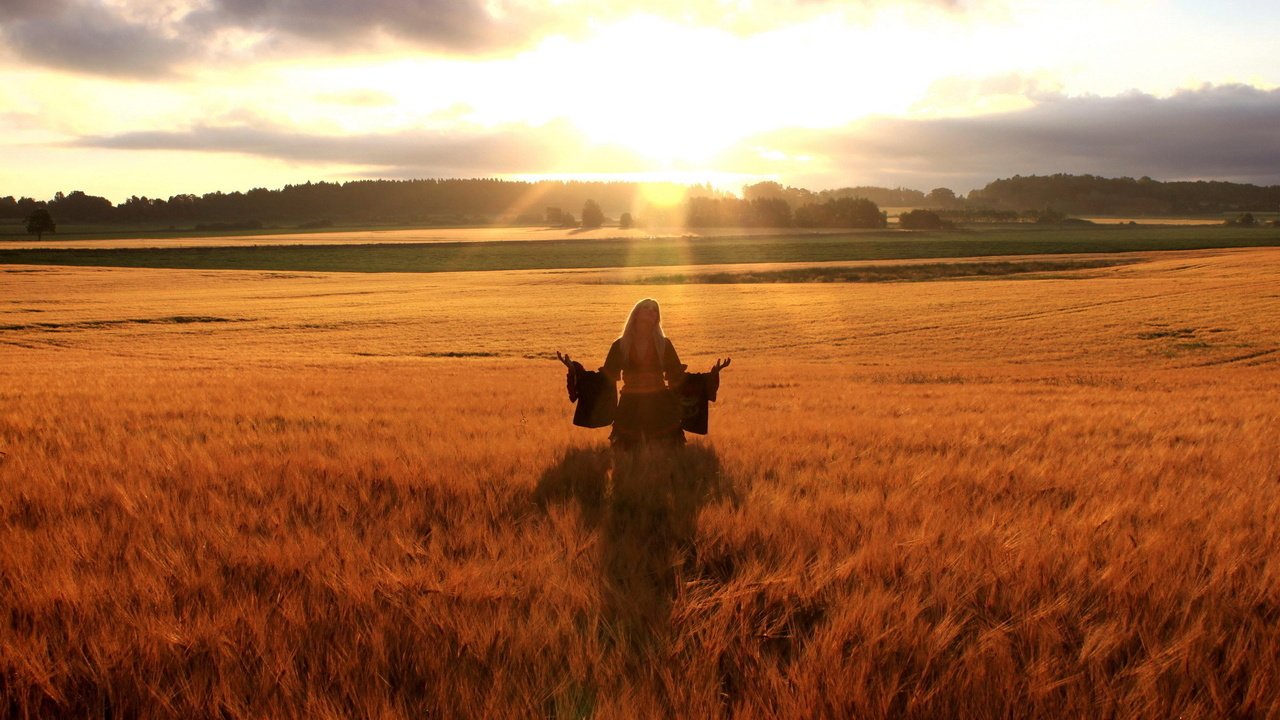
[[280, 495]]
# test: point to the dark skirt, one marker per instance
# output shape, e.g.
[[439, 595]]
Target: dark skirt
[[647, 417]]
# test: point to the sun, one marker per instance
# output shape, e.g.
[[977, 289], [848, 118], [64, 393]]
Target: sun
[[662, 194], [673, 139], [638, 96], [664, 102]]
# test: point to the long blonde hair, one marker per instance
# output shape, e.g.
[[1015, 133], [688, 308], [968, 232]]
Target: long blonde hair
[[628, 337]]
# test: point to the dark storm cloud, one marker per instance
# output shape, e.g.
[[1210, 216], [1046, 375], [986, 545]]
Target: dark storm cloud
[[417, 153], [86, 37], [1227, 132]]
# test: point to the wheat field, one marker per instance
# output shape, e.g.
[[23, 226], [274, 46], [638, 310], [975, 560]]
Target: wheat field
[[253, 494]]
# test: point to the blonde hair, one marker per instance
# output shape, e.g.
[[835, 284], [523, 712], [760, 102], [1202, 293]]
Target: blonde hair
[[628, 337]]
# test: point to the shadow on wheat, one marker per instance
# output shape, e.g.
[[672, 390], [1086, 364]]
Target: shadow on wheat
[[643, 505]]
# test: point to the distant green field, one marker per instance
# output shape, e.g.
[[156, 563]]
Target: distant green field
[[469, 256]]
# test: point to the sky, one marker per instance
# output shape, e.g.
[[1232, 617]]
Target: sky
[[161, 97]]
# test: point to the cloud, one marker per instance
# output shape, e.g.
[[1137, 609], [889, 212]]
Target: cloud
[[962, 95], [17, 121], [513, 149], [447, 24], [141, 38], [1229, 132], [88, 37], [11, 9], [471, 26], [358, 98]]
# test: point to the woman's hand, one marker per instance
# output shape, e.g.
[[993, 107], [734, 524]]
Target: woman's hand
[[720, 365], [564, 359]]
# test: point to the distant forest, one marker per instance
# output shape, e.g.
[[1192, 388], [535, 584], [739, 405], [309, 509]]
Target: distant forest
[[385, 202], [768, 204], [1092, 195]]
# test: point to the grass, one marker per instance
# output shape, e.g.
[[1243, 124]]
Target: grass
[[361, 496], [600, 253]]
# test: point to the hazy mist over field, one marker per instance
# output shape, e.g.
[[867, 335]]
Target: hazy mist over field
[[156, 98]]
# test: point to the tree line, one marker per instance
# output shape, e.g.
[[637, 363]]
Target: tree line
[[462, 201], [1047, 198], [1093, 195], [836, 212]]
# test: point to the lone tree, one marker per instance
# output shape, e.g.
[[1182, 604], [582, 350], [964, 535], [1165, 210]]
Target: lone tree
[[845, 212], [625, 221], [40, 222], [942, 198], [592, 215], [922, 220]]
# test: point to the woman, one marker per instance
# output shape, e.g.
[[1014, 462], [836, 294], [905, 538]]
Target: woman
[[650, 370]]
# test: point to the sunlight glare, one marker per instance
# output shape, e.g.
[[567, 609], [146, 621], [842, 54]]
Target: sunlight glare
[[662, 194]]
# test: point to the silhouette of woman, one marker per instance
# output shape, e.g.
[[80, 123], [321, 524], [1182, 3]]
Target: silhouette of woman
[[645, 360]]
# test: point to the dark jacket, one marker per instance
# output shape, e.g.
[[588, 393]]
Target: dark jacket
[[596, 395]]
